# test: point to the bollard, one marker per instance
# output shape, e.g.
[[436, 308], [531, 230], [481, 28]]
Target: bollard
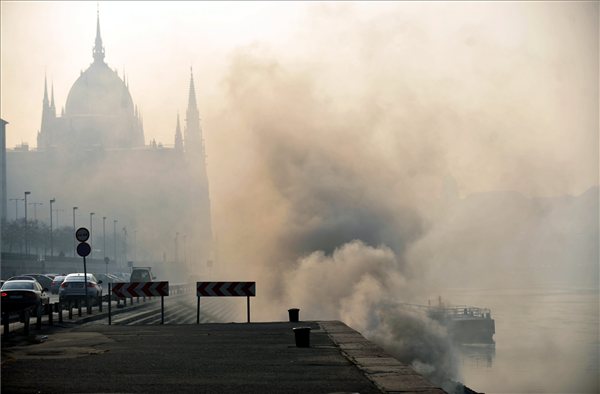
[[294, 313], [50, 314], [78, 308], [100, 303], [5, 319], [26, 317], [70, 306], [60, 310], [38, 315], [302, 336]]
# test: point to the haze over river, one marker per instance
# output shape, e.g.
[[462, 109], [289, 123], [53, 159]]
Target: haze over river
[[547, 341]]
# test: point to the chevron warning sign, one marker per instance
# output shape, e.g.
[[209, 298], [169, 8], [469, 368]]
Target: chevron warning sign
[[226, 289], [140, 289]]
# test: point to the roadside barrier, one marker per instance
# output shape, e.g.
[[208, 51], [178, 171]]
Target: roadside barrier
[[139, 289], [225, 289]]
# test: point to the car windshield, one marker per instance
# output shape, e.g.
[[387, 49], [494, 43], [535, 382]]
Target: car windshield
[[59, 278], [18, 284]]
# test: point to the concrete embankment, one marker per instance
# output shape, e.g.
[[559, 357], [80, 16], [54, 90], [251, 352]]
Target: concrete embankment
[[218, 358]]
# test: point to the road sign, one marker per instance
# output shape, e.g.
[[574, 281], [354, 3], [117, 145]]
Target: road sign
[[84, 249], [82, 234], [106, 260], [140, 289], [226, 289]]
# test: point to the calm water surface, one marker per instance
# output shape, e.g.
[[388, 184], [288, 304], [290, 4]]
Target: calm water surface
[[547, 341]]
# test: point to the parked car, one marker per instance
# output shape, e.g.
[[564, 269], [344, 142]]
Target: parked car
[[72, 288], [44, 280], [22, 295], [56, 282]]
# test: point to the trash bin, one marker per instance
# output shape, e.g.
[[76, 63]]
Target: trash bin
[[302, 335], [294, 314]]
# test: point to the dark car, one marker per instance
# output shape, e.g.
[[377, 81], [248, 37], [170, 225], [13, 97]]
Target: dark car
[[23, 295], [42, 279]]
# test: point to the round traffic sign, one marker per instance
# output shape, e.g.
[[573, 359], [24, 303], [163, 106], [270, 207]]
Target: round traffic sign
[[84, 249], [82, 234]]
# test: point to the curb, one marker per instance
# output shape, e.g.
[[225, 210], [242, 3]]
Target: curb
[[386, 372]]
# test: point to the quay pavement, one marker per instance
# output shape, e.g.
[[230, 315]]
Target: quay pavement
[[205, 358]]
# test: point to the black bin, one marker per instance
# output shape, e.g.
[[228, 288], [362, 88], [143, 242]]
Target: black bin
[[294, 312], [302, 335]]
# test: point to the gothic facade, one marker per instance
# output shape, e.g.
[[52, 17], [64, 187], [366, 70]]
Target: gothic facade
[[94, 156]]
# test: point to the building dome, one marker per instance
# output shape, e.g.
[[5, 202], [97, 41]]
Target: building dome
[[99, 111], [99, 92]]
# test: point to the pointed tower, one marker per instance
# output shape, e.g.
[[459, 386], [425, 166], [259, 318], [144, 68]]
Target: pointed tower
[[193, 132], [178, 137], [200, 223], [98, 51], [52, 106], [44, 138]]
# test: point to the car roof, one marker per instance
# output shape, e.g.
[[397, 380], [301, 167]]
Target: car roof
[[21, 277], [79, 275]]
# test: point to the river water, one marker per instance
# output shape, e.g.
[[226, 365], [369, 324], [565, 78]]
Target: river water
[[547, 341]]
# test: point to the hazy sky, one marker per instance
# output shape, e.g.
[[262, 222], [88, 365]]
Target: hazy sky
[[513, 87]]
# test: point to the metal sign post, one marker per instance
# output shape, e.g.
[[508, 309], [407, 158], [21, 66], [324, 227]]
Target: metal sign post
[[84, 249], [109, 302]]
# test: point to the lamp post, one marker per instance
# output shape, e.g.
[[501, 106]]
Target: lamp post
[[125, 243], [35, 204], [176, 254], [91, 235], [74, 229], [104, 241], [51, 238], [184, 252], [16, 200], [134, 245], [26, 232], [115, 239]]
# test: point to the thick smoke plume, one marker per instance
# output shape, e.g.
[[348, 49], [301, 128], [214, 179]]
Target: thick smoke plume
[[338, 166]]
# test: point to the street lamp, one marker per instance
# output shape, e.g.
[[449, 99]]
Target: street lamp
[[125, 243], [26, 240], [16, 200], [184, 253], [135, 245], [51, 239], [35, 204], [91, 235], [104, 241], [176, 254], [74, 229], [115, 239]]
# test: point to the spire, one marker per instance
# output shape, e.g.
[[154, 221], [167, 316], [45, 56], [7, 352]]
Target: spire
[[178, 137], [52, 97], [45, 92], [192, 93], [193, 131], [98, 51]]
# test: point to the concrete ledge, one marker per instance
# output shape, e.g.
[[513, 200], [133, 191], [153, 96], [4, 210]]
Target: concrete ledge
[[387, 373]]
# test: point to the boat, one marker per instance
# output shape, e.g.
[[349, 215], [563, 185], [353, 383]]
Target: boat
[[466, 324]]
